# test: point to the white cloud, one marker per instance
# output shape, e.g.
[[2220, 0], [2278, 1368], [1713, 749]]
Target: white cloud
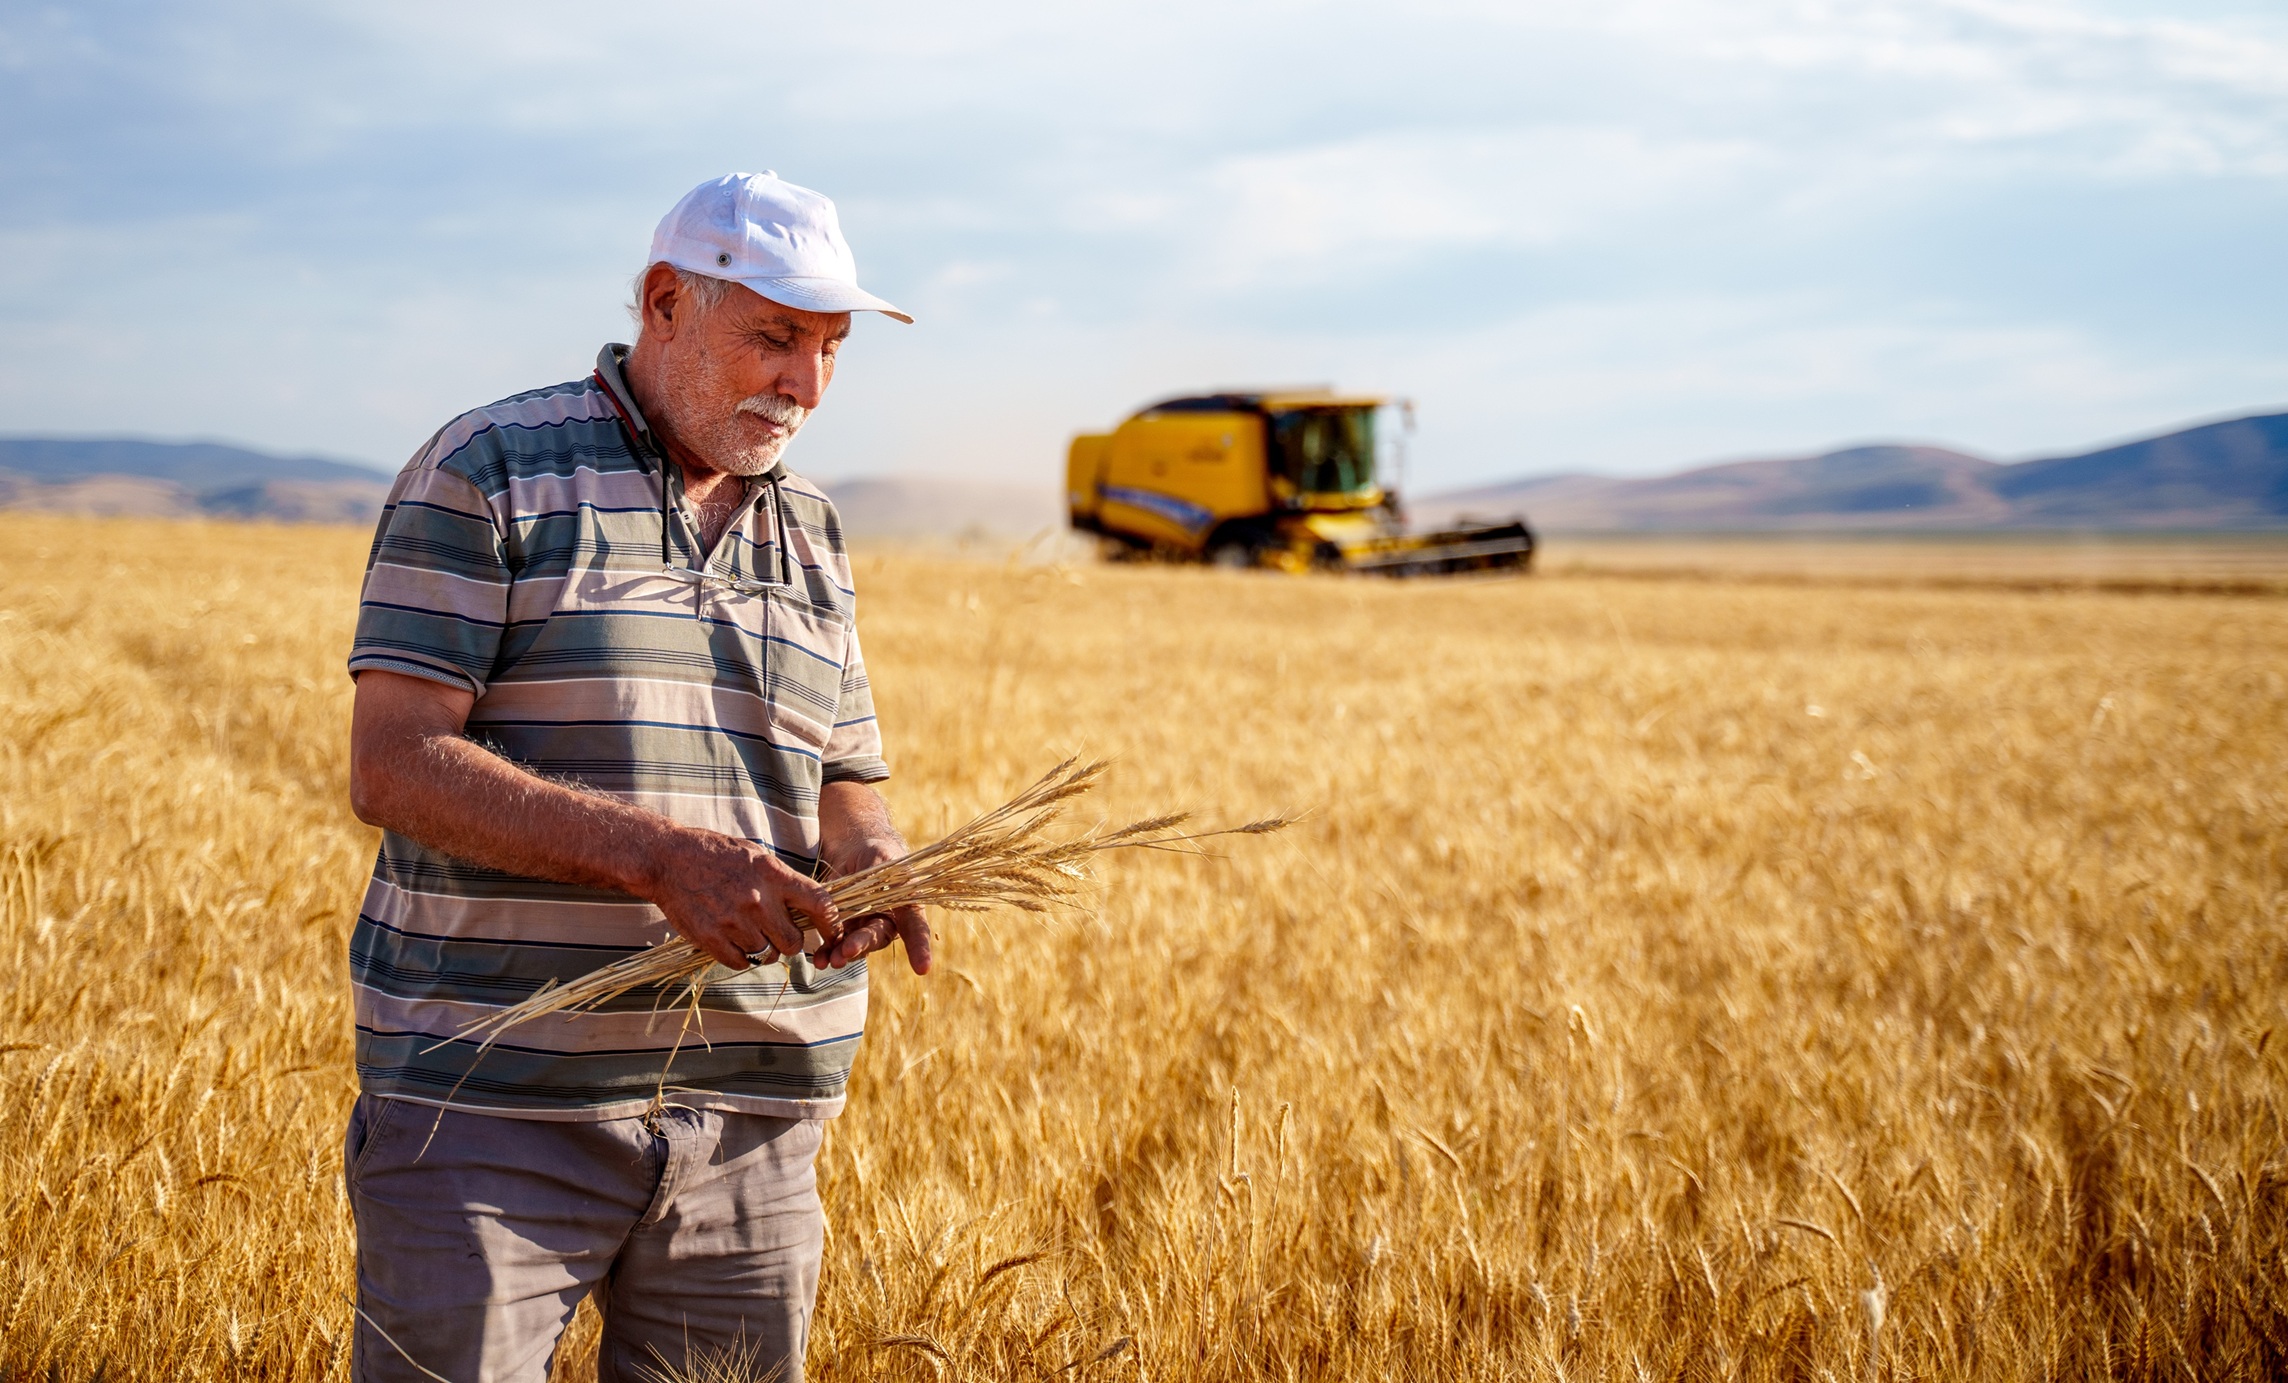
[[1632, 234], [2141, 97], [1345, 211]]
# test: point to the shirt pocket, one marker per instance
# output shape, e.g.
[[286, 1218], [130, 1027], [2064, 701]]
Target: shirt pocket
[[804, 650]]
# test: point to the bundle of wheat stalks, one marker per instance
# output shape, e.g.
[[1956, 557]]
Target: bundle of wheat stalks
[[1002, 859]]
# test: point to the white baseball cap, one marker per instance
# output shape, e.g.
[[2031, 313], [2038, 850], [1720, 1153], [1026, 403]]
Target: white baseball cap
[[782, 241]]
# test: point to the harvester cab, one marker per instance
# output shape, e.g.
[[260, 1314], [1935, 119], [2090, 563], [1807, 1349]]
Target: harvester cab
[[1287, 480]]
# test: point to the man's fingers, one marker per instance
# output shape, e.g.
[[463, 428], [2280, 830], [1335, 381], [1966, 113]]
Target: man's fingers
[[777, 928], [913, 927], [866, 938], [872, 934], [719, 939], [816, 903], [722, 948]]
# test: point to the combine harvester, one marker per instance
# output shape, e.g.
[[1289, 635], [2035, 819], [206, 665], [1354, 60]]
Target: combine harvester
[[1279, 480]]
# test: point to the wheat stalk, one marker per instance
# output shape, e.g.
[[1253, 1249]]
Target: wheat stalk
[[1001, 859]]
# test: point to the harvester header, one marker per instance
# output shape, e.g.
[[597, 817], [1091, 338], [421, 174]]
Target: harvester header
[[1286, 479]]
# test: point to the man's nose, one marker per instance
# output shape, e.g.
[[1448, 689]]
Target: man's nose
[[803, 377]]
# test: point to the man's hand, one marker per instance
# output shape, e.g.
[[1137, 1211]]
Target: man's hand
[[855, 833], [866, 935], [413, 771], [878, 931], [733, 900]]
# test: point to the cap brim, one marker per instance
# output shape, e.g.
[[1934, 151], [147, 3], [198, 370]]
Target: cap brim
[[822, 295]]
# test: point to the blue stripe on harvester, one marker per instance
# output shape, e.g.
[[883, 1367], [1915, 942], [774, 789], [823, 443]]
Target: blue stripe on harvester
[[1182, 512]]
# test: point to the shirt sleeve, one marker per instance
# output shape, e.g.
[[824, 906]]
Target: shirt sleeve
[[436, 584], [854, 749]]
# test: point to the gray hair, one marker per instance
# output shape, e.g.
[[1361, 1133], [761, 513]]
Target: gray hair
[[705, 291]]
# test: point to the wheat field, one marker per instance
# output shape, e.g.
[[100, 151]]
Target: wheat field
[[1672, 979]]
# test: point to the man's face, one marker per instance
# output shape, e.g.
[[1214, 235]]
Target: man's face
[[739, 379]]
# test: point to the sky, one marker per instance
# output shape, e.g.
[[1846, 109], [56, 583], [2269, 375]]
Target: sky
[[1621, 236]]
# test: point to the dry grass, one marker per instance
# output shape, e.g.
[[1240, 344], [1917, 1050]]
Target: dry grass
[[2222, 564], [1007, 859], [1674, 979]]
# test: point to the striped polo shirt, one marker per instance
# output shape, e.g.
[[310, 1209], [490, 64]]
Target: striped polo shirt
[[520, 556]]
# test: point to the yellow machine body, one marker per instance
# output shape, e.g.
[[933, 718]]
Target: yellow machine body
[[1282, 480], [1084, 466], [1171, 478]]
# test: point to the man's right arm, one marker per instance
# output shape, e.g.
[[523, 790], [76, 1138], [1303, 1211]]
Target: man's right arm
[[413, 771]]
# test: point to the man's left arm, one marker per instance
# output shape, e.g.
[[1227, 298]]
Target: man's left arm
[[854, 833]]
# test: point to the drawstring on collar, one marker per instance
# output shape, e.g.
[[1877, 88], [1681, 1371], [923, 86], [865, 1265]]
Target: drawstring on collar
[[611, 377]]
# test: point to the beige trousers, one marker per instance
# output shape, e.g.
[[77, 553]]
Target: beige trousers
[[698, 1231]]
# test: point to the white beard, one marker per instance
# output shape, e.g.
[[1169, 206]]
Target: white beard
[[718, 438]]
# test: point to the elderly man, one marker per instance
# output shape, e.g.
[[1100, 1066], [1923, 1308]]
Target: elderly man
[[608, 688]]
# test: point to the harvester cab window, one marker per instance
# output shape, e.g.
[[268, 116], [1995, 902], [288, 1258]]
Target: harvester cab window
[[1324, 450]]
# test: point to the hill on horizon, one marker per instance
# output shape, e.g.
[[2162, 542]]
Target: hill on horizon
[[2229, 476], [2224, 476], [125, 475]]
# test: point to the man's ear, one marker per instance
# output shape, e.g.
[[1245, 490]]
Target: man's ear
[[662, 300]]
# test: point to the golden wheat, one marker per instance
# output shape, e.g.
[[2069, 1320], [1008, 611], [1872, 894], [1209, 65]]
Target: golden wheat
[[1674, 978], [1003, 859]]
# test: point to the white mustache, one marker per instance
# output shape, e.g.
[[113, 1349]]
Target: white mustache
[[778, 408]]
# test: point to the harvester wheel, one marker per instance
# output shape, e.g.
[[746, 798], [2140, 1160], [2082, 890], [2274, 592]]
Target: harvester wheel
[[1232, 555]]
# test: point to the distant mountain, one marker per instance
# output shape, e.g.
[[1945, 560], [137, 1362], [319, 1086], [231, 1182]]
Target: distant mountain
[[2223, 476], [195, 465], [181, 479], [115, 475], [2229, 476], [2226, 475]]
